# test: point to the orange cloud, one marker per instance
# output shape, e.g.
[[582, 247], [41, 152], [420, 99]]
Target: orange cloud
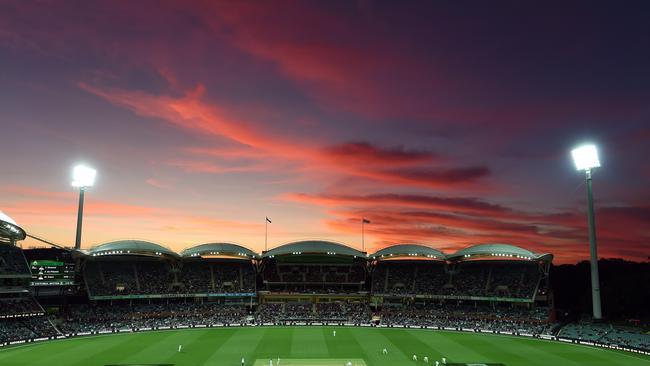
[[390, 166]]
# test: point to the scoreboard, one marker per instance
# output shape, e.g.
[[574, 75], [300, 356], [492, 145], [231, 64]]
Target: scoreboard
[[52, 273]]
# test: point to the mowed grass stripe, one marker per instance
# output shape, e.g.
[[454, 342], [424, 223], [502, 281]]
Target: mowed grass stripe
[[275, 343], [226, 346], [343, 345], [203, 347], [121, 347], [547, 351], [167, 350], [63, 349], [372, 343], [499, 350], [308, 342], [446, 344], [241, 343], [410, 344]]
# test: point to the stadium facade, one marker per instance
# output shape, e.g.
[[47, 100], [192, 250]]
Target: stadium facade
[[134, 285]]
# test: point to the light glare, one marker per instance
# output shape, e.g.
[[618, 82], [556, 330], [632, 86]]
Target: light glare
[[83, 176], [585, 157]]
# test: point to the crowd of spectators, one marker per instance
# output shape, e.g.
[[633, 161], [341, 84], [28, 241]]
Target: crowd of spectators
[[607, 334], [14, 329], [109, 317], [314, 278], [338, 311], [12, 261], [520, 320], [472, 278], [128, 277], [18, 306], [117, 315]]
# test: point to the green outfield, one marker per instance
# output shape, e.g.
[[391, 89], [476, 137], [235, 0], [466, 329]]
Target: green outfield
[[309, 346]]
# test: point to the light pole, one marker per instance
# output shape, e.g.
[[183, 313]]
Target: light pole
[[82, 177], [586, 158]]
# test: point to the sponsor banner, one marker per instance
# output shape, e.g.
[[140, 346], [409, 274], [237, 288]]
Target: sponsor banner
[[165, 296]]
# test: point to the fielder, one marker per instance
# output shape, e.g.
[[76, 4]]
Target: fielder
[[334, 333], [444, 361], [415, 358], [426, 359], [180, 347], [385, 351]]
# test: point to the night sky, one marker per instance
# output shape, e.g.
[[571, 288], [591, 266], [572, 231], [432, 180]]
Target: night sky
[[446, 123]]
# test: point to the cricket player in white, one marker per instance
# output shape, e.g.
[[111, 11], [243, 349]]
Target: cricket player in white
[[270, 362], [385, 351], [334, 333], [349, 363], [444, 361], [242, 361], [426, 359], [437, 363], [180, 347], [415, 358]]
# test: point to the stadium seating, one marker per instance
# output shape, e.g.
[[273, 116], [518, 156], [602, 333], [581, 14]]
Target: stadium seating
[[503, 319], [471, 278], [19, 306], [342, 312], [103, 316], [314, 278], [12, 261], [145, 277], [607, 334]]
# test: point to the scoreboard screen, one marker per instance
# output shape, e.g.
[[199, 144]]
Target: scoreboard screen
[[52, 273]]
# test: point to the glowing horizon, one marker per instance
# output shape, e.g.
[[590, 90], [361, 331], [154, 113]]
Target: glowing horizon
[[441, 126]]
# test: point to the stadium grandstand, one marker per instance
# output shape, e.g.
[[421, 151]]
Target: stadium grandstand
[[134, 269], [21, 316], [135, 285]]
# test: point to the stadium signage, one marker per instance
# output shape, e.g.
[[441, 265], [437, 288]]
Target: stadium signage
[[165, 296], [479, 298]]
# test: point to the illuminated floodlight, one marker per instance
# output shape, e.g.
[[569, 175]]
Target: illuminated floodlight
[[585, 157], [83, 176]]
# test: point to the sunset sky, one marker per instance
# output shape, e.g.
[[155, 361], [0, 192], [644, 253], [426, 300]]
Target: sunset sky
[[445, 123]]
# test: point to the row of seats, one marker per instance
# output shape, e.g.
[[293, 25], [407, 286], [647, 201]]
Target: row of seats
[[476, 278], [157, 277], [12, 261]]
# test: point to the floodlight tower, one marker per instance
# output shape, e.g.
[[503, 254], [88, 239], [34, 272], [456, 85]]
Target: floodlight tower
[[82, 177], [586, 158]]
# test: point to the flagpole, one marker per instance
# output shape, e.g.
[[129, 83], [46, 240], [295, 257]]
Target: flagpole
[[266, 233], [363, 244]]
